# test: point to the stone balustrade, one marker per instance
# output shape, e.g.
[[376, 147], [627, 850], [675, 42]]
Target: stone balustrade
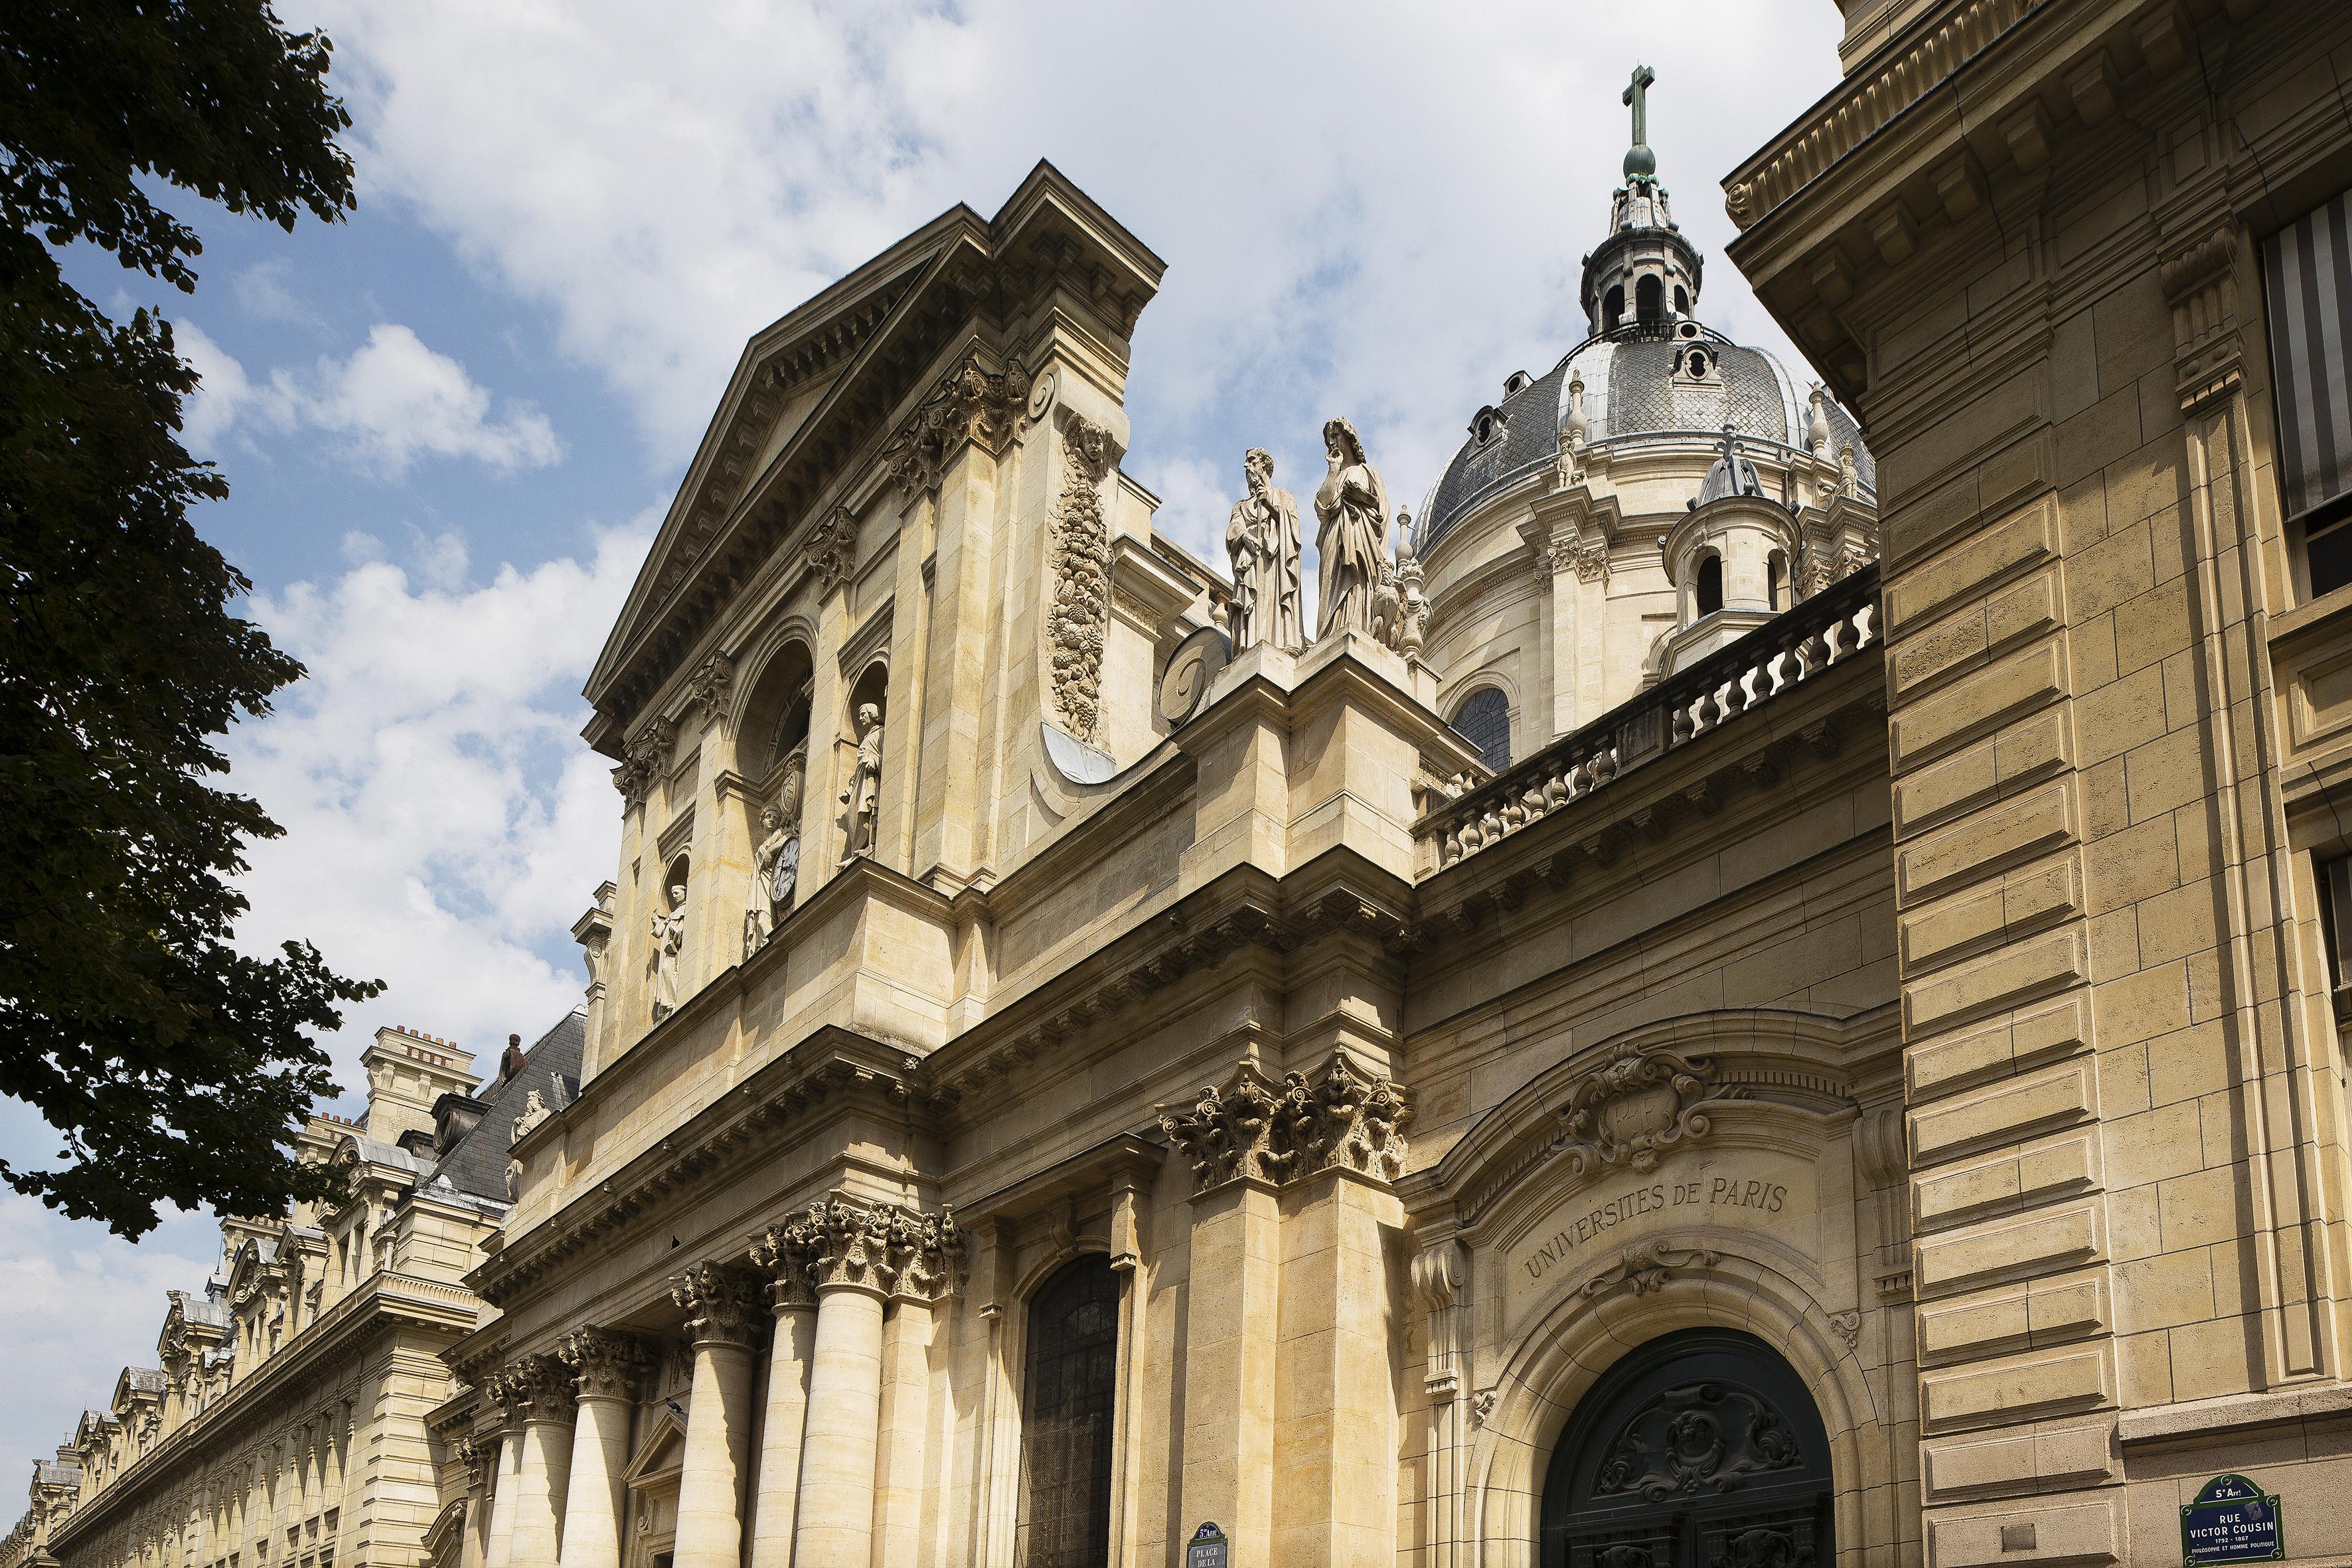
[[1831, 626]]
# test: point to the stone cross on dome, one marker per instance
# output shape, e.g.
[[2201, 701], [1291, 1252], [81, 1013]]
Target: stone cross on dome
[[1641, 163]]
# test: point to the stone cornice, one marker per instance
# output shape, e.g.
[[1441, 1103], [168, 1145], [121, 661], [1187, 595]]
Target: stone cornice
[[833, 1069]]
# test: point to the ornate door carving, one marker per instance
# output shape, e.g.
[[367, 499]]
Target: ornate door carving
[[1701, 1449]]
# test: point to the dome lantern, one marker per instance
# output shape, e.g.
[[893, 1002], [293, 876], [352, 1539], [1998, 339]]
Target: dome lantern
[[1643, 278]]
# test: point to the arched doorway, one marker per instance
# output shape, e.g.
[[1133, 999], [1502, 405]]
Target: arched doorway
[[1700, 1449]]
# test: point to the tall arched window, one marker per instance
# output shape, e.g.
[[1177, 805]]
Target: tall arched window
[[1067, 1419], [1710, 584], [1484, 721], [1649, 298], [1612, 308]]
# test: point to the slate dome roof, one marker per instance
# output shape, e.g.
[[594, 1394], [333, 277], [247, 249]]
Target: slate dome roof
[[1631, 390]]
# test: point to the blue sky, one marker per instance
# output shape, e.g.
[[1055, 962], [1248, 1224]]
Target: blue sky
[[451, 424]]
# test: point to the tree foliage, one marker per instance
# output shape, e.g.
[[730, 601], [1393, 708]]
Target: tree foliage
[[174, 1069]]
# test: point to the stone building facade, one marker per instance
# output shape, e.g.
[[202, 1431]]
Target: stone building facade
[[2081, 269], [1726, 991], [284, 1423]]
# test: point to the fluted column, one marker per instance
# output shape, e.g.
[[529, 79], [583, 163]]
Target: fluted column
[[504, 1483], [794, 1305], [604, 1366], [544, 1386], [856, 1257], [719, 1304]]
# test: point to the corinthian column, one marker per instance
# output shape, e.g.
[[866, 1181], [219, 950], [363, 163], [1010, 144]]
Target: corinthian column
[[856, 1258], [505, 1482], [544, 1384], [778, 1253], [604, 1367], [718, 1305]]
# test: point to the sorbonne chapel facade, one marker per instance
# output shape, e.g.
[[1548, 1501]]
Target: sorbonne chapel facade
[[1751, 979]]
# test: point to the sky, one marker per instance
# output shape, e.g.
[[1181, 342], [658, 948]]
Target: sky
[[452, 423]]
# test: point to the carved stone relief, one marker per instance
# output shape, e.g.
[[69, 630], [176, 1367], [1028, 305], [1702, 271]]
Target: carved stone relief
[[1647, 1267], [1644, 1102], [888, 1248], [1081, 605], [832, 550]]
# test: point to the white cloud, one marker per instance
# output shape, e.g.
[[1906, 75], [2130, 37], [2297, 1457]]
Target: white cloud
[[264, 293], [1375, 210], [393, 401], [80, 1305], [443, 827], [444, 824]]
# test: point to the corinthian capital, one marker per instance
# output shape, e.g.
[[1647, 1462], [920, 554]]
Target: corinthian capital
[[605, 1362], [719, 1303], [541, 1385], [1238, 1132], [1348, 1120], [886, 1249]]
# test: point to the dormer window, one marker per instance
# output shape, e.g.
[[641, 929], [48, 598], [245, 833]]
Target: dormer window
[[1518, 380], [1489, 426]]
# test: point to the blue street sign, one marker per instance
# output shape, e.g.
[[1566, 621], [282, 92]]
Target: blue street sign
[[2232, 1521], [1206, 1549]]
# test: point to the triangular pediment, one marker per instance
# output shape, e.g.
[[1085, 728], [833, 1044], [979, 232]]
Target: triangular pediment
[[813, 397], [662, 1455]]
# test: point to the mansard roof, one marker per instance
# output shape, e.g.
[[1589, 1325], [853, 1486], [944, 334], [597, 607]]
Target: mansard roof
[[476, 1164], [870, 340]]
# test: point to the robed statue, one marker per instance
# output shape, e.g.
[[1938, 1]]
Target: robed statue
[[670, 941], [1262, 537], [775, 864], [1352, 507], [862, 798]]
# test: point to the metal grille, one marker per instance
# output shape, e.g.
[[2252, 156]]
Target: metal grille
[[2307, 279], [1484, 721], [1066, 1431]]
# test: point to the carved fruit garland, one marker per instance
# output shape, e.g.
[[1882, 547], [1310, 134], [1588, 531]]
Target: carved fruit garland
[[1081, 578]]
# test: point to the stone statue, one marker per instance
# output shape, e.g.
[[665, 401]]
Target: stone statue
[[1263, 540], [775, 866], [534, 1111], [1412, 607], [1352, 507], [1849, 476], [670, 941], [862, 798]]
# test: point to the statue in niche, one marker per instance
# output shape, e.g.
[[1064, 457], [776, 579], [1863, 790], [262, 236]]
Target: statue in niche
[[1263, 540], [776, 863], [1352, 507], [862, 798], [670, 941]]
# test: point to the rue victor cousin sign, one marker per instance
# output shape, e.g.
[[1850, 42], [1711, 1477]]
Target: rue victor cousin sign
[[1754, 1190], [2232, 1521]]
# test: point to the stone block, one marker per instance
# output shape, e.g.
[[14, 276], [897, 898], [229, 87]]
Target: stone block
[[1938, 1066], [1977, 703], [2015, 758], [2006, 1183], [1996, 554], [2087, 1531], [2023, 1387], [2020, 973], [2041, 1243], [2001, 836], [2055, 1097]]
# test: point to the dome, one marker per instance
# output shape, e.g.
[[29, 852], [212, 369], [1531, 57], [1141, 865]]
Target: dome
[[1635, 387], [1650, 368]]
